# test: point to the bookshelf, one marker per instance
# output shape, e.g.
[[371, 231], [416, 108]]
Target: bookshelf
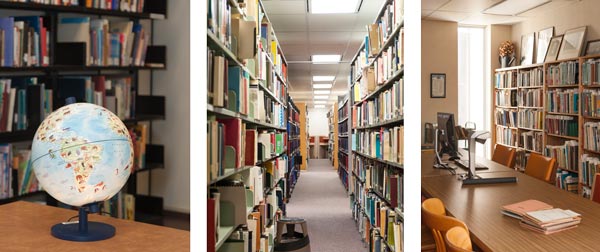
[[55, 58], [376, 131], [255, 129], [342, 137]]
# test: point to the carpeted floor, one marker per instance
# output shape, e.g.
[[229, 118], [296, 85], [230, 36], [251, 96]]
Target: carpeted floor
[[320, 198]]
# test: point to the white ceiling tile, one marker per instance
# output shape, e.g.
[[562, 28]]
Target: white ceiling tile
[[290, 38], [329, 37], [285, 7], [286, 23], [449, 16], [474, 6], [484, 19], [432, 4], [333, 22], [329, 48], [425, 13], [544, 9]]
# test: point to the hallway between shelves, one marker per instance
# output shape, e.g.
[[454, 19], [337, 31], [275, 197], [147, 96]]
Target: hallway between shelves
[[320, 198]]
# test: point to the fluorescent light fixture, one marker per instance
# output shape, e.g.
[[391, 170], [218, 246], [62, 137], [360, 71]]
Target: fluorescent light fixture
[[322, 92], [514, 7], [323, 78], [322, 86], [319, 106], [321, 97], [325, 59], [334, 6], [320, 102]]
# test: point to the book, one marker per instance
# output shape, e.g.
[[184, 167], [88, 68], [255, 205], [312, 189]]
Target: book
[[72, 29], [519, 209]]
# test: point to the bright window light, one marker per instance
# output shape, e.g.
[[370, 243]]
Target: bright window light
[[514, 7], [322, 92], [323, 78], [334, 6], [321, 97], [320, 102], [323, 59], [322, 86], [319, 106]]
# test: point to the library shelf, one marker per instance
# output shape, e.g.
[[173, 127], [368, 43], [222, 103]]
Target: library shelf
[[563, 86], [22, 196], [343, 151], [509, 88], [270, 94], [389, 82], [227, 231], [380, 196], [396, 121], [591, 151], [591, 117], [343, 120], [526, 107], [230, 114], [591, 86], [524, 149], [214, 43], [530, 129], [506, 127], [392, 164], [531, 87], [84, 10], [519, 67], [559, 113], [507, 145], [506, 107], [244, 168], [563, 136], [362, 181], [273, 157], [270, 189], [343, 135], [389, 41], [17, 136]]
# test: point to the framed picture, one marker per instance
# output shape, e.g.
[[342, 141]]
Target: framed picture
[[527, 42], [543, 41], [553, 48], [438, 85], [572, 43], [593, 47]]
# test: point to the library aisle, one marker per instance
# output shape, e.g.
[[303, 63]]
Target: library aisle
[[321, 200]]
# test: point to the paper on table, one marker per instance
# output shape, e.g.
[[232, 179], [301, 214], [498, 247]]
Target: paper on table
[[552, 215]]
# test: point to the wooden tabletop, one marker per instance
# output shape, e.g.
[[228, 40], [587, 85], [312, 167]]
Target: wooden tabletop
[[428, 160], [479, 207], [25, 226]]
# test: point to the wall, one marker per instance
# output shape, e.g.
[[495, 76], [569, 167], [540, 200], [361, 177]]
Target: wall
[[566, 17], [173, 182], [439, 54], [318, 125], [495, 35]]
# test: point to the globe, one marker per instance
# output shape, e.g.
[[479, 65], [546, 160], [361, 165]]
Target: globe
[[82, 153]]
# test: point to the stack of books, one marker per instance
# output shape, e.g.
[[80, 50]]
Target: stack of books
[[541, 217]]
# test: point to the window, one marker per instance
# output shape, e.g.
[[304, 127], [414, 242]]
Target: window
[[472, 86]]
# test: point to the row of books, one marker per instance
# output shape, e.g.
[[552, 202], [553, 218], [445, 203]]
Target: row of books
[[343, 111], [121, 5], [532, 140], [270, 50], [121, 206], [25, 41], [531, 78], [219, 20], [114, 43], [590, 103], [15, 159], [530, 118], [589, 72], [507, 79], [383, 181], [386, 144], [521, 157], [591, 136], [390, 61], [343, 160], [506, 98], [24, 102], [590, 165], [393, 15], [562, 125], [343, 174], [506, 118], [531, 98], [388, 105], [562, 101], [387, 228], [362, 60], [567, 180], [139, 137], [506, 136], [567, 155], [565, 73]]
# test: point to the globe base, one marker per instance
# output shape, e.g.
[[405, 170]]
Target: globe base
[[96, 231]]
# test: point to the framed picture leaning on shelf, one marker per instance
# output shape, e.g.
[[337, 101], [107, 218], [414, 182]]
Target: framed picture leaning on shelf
[[593, 47], [544, 37], [572, 43], [527, 43], [553, 48]]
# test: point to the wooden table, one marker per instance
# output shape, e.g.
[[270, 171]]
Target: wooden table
[[479, 207], [26, 226], [428, 160]]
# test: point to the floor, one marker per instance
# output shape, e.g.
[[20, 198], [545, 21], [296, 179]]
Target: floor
[[320, 198]]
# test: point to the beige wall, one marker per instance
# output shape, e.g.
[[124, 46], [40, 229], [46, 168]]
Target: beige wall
[[564, 18], [496, 34], [439, 54]]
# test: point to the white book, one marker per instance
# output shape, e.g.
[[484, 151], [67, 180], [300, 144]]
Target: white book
[[11, 109]]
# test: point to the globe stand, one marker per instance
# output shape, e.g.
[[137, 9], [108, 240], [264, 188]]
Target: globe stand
[[83, 230]]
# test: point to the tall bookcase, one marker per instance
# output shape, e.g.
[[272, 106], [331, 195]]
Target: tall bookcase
[[343, 136], [565, 127], [48, 67], [377, 132], [254, 127]]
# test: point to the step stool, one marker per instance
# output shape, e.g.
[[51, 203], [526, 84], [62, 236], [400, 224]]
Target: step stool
[[292, 241]]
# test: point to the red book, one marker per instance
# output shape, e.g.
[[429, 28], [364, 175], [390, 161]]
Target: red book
[[211, 241], [251, 152], [233, 136], [43, 44], [394, 190], [99, 86]]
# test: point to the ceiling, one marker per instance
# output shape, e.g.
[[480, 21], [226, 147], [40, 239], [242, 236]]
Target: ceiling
[[469, 12], [302, 34]]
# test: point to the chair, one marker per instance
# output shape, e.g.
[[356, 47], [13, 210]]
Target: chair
[[596, 188], [438, 223], [540, 167], [458, 240], [504, 155]]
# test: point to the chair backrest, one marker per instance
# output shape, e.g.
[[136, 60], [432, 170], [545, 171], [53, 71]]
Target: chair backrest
[[596, 188], [438, 223], [458, 240], [504, 155], [434, 205], [540, 167]]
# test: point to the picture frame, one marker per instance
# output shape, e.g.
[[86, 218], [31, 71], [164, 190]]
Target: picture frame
[[553, 48], [592, 47], [543, 42], [527, 45], [437, 85], [572, 43]]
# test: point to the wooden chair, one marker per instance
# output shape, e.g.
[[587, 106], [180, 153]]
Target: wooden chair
[[458, 240], [434, 205], [540, 167], [438, 223], [596, 188], [504, 155]]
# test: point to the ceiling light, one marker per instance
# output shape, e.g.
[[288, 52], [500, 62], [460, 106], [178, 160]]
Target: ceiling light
[[320, 102], [514, 7], [325, 59], [321, 97], [322, 86], [323, 78], [334, 6], [319, 106], [322, 92]]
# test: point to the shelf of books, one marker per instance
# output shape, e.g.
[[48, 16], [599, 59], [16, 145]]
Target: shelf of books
[[377, 132], [343, 153], [254, 128]]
